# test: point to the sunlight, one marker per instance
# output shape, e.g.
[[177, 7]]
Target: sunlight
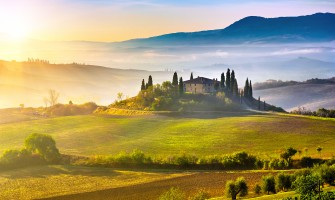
[[16, 29]]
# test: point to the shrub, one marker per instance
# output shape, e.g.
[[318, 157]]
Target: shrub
[[258, 189], [238, 187], [284, 181], [309, 162], [173, 194], [326, 173], [307, 186], [269, 184], [44, 145]]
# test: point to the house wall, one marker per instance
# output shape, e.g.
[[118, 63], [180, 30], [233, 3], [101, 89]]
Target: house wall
[[198, 88]]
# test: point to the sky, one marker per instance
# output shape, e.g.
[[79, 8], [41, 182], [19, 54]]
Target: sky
[[118, 20]]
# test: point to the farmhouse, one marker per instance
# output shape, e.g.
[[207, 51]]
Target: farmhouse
[[200, 85]]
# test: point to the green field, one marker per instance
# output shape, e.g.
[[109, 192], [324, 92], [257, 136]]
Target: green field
[[199, 134]]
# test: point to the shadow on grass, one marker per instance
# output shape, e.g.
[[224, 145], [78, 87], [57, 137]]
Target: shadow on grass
[[213, 114]]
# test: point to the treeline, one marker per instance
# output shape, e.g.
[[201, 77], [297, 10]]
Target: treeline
[[322, 112], [240, 160]]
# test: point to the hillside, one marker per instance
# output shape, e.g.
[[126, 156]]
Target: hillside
[[311, 94], [28, 83], [200, 134], [311, 28]]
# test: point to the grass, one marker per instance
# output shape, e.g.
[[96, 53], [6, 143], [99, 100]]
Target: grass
[[263, 134], [64, 182], [48, 181]]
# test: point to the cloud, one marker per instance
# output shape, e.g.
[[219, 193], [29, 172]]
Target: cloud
[[296, 51]]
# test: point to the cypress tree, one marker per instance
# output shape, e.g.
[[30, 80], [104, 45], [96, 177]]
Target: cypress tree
[[191, 78], [235, 90], [246, 88], [264, 106], [250, 90], [232, 81], [259, 103], [181, 85], [150, 81], [222, 84], [175, 79], [143, 85], [228, 79]]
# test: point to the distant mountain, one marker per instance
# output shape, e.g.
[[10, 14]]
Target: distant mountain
[[318, 27]]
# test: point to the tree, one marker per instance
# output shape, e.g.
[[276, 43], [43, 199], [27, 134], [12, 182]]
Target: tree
[[216, 85], [319, 149], [143, 85], [264, 106], [150, 84], [288, 154], [307, 186], [175, 80], [258, 189], [181, 86], [228, 79], [191, 78], [259, 103], [250, 93], [222, 83], [284, 181], [269, 184], [235, 88], [53, 97], [173, 194], [120, 96], [246, 89], [232, 81], [44, 145], [238, 187]]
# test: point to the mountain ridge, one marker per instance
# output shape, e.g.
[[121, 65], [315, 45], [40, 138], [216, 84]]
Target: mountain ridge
[[254, 29]]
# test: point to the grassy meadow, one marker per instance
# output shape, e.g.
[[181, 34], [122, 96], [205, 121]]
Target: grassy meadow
[[199, 134]]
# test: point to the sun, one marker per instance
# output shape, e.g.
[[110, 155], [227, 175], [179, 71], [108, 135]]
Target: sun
[[16, 30]]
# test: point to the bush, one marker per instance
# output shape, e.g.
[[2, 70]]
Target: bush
[[309, 162], [326, 173], [44, 145], [307, 186], [284, 181], [258, 189], [238, 187], [173, 194], [269, 184]]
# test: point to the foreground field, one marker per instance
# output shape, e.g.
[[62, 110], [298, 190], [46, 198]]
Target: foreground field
[[201, 135], [69, 182], [48, 181]]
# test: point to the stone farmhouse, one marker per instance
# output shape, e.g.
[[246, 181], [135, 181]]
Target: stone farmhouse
[[200, 85]]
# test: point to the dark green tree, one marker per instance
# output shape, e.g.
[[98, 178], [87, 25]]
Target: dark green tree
[[175, 79], [264, 106], [307, 186], [181, 86], [250, 93], [216, 85], [150, 81], [259, 103], [283, 181], [222, 83], [238, 187], [246, 89], [269, 184], [143, 85], [191, 78], [228, 79], [288, 154], [235, 88], [232, 81], [44, 145]]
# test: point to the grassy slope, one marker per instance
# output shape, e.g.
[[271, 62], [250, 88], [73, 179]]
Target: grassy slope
[[257, 133]]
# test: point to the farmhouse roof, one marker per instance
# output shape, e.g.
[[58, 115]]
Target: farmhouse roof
[[200, 80]]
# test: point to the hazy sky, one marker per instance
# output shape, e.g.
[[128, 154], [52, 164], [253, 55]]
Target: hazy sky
[[116, 20]]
